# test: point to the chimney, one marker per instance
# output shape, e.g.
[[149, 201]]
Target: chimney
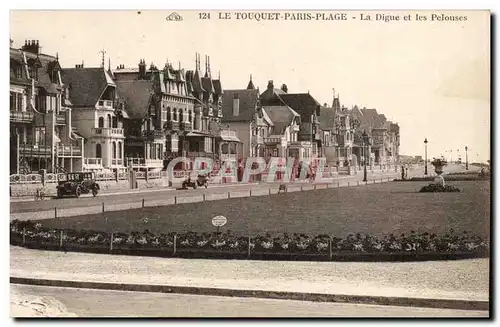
[[284, 88], [236, 105], [270, 85], [142, 69], [31, 46]]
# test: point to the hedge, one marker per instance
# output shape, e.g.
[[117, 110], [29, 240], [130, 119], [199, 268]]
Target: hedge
[[354, 247]]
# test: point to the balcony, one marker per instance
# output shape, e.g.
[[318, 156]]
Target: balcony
[[92, 164], [144, 163], [153, 134], [228, 157], [186, 126], [116, 162], [173, 125], [299, 144], [105, 104], [107, 132], [61, 119], [21, 116], [34, 149], [64, 150], [272, 140], [257, 139]]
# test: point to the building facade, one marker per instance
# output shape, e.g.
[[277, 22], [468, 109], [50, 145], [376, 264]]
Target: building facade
[[41, 131]]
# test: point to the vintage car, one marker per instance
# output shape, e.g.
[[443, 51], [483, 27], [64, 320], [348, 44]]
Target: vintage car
[[201, 181], [75, 184]]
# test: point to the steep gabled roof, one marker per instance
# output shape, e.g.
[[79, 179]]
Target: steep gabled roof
[[248, 103], [327, 121], [86, 84], [136, 94], [281, 116], [303, 103], [217, 86]]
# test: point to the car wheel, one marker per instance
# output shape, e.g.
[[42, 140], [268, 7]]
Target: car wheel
[[59, 193], [78, 191]]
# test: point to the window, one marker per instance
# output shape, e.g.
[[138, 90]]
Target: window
[[13, 101], [175, 114], [114, 150], [101, 122], [181, 115], [40, 135], [158, 151], [190, 116], [109, 121], [169, 114], [115, 122], [98, 151], [120, 154]]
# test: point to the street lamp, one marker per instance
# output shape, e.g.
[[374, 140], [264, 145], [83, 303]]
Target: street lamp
[[425, 169], [366, 142], [466, 159]]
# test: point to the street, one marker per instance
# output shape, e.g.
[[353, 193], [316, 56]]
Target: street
[[166, 196], [103, 303]]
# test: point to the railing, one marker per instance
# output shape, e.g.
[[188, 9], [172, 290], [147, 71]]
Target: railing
[[227, 133], [107, 132], [186, 125], [64, 150], [153, 133], [61, 119], [116, 162], [299, 144], [173, 125], [36, 149], [141, 162], [21, 116], [92, 161], [272, 140], [105, 104], [228, 156]]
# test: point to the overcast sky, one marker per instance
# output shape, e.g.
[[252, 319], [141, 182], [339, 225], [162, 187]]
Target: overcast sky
[[433, 78]]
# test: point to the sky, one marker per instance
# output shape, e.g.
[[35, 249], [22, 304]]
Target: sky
[[432, 77]]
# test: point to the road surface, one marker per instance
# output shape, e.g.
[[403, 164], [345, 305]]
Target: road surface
[[166, 196], [103, 303]]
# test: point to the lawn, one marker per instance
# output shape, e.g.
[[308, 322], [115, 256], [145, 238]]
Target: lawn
[[376, 209]]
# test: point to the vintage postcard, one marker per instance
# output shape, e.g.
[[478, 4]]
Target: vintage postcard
[[232, 163]]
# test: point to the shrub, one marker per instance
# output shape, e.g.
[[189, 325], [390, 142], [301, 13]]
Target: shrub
[[439, 188]]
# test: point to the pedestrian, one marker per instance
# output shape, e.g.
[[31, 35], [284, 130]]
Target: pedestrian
[[402, 172], [406, 174]]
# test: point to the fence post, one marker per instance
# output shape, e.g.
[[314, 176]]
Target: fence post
[[269, 191], [55, 212], [204, 198], [103, 207], [228, 195], [143, 203], [111, 242], [61, 239], [249, 251], [175, 199], [330, 254], [24, 235], [301, 187], [250, 192], [175, 243]]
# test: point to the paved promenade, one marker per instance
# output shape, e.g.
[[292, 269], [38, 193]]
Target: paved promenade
[[465, 280]]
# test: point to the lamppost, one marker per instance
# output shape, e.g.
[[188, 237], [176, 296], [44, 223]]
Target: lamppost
[[425, 167], [366, 142], [466, 159]]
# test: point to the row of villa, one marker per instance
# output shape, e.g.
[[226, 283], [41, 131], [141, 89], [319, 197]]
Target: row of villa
[[98, 119]]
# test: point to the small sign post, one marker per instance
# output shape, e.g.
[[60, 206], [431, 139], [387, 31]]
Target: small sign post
[[219, 221]]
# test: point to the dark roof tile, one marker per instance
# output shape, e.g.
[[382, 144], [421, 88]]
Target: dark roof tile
[[248, 103], [86, 84]]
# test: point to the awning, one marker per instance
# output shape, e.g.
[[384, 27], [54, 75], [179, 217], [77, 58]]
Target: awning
[[76, 135], [230, 138]]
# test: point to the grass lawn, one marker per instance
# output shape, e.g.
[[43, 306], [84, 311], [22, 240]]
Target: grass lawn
[[376, 209]]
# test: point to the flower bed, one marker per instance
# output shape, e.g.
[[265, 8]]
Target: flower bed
[[354, 247], [439, 188]]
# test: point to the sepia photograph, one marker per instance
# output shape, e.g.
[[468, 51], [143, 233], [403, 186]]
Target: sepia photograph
[[250, 163]]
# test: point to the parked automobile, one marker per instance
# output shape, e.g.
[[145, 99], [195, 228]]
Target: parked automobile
[[202, 180], [75, 184]]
